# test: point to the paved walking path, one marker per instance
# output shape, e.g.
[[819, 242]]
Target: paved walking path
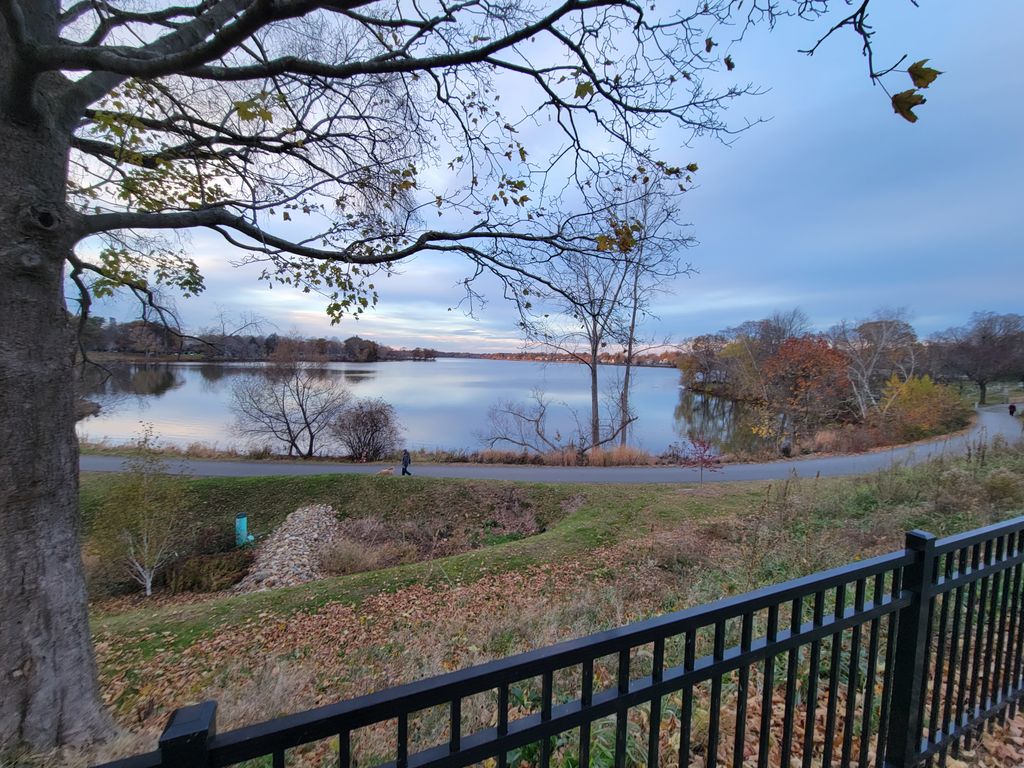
[[992, 420]]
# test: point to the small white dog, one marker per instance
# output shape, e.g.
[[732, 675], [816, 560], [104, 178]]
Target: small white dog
[[387, 471]]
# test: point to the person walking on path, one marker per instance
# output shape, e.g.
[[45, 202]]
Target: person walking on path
[[1013, 409], [406, 461]]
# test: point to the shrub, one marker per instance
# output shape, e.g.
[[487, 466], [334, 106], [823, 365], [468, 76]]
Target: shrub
[[617, 456], [1003, 487], [368, 429], [954, 491], [512, 514], [346, 556], [919, 408], [211, 539], [208, 573]]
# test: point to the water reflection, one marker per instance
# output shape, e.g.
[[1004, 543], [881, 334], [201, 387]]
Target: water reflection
[[212, 373], [726, 424], [142, 379], [355, 375], [443, 405]]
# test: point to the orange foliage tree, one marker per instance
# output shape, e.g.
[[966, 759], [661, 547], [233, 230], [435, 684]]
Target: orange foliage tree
[[807, 383]]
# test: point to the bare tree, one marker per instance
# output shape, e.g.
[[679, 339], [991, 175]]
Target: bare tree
[[649, 265], [876, 348], [368, 429], [597, 280], [526, 426], [990, 347], [294, 405]]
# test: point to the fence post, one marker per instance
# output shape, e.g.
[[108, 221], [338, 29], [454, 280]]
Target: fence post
[[183, 744], [903, 731]]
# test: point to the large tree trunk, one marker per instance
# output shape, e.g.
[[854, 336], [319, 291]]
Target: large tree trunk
[[48, 687], [982, 393]]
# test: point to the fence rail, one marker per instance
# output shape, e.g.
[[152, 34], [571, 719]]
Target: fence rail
[[893, 661]]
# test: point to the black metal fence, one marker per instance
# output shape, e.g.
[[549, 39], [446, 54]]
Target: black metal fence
[[893, 661]]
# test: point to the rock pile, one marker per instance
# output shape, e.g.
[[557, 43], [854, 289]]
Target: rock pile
[[291, 554]]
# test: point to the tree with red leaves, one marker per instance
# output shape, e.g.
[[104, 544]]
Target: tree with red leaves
[[806, 382]]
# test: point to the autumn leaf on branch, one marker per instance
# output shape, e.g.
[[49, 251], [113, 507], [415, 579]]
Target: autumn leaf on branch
[[921, 75], [584, 88], [904, 102], [729, 63]]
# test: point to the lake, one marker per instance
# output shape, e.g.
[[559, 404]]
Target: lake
[[441, 404]]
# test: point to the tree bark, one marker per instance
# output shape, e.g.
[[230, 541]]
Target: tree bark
[[982, 392], [634, 309], [48, 687], [595, 401]]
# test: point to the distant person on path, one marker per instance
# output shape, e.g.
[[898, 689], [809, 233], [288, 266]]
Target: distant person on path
[[406, 461], [1013, 409]]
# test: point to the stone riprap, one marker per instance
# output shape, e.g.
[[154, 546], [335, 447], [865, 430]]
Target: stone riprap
[[291, 554]]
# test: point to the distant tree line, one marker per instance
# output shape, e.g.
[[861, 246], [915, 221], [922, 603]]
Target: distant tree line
[[244, 342]]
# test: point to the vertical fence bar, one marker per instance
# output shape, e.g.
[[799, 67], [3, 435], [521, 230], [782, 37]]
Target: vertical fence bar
[[1001, 672], [686, 706], [455, 726], [402, 752], [955, 672], [547, 686], [789, 713], [1018, 634], [852, 679], [742, 691], [835, 659], [183, 744], [586, 699], [903, 743], [979, 641], [768, 690], [622, 716], [931, 579], [963, 690], [872, 671], [988, 670], [812, 682], [896, 588], [940, 651], [1009, 663], [657, 674], [344, 749], [715, 708], [502, 722]]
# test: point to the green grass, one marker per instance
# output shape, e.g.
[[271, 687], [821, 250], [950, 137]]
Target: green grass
[[780, 530], [997, 392], [601, 515], [268, 500]]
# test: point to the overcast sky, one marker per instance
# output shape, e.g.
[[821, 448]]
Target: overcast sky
[[835, 205]]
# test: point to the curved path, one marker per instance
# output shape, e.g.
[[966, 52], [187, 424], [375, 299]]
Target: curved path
[[991, 421]]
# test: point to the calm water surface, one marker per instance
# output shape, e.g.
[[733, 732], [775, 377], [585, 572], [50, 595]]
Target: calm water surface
[[440, 404]]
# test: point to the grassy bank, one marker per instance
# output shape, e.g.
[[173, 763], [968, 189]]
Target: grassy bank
[[609, 555], [615, 456]]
